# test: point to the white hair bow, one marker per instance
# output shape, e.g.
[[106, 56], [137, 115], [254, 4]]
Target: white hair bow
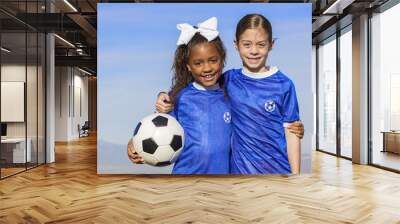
[[207, 29]]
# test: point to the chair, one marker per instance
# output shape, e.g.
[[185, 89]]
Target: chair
[[84, 130]]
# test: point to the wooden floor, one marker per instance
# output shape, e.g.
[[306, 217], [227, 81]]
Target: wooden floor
[[387, 159], [70, 191], [10, 171]]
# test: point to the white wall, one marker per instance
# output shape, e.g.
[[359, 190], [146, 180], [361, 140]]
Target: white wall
[[13, 73], [70, 83], [61, 103], [12, 101], [79, 117], [17, 73], [33, 126]]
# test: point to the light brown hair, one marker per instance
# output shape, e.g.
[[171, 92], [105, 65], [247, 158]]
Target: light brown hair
[[252, 21]]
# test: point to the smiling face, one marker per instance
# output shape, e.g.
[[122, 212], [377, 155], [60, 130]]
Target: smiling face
[[205, 64], [253, 46]]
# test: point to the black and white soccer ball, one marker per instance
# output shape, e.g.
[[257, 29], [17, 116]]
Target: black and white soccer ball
[[159, 139]]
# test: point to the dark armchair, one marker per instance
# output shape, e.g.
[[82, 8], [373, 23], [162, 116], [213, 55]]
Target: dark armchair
[[84, 129]]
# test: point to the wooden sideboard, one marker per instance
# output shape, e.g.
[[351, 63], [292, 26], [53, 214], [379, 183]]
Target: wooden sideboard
[[391, 141]]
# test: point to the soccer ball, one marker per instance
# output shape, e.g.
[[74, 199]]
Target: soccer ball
[[158, 139]]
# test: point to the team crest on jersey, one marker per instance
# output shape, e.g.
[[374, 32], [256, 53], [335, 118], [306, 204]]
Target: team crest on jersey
[[227, 117], [269, 106]]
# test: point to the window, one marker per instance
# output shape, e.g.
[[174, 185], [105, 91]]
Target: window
[[385, 89], [327, 95], [346, 92], [22, 68]]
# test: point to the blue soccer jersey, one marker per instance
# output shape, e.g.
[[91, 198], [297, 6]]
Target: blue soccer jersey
[[260, 107], [206, 119]]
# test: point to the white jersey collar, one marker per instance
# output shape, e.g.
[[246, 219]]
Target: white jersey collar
[[260, 75], [200, 87]]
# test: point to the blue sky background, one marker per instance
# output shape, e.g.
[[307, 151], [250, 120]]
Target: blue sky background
[[136, 45]]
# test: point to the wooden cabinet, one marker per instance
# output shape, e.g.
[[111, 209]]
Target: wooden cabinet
[[391, 141]]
